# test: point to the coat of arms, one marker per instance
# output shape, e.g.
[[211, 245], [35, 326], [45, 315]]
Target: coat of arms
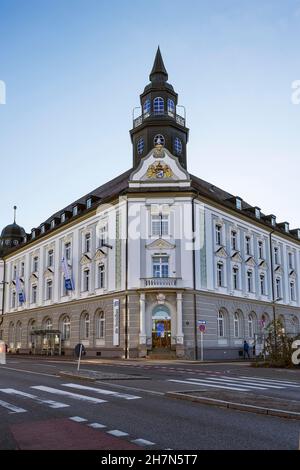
[[159, 170]]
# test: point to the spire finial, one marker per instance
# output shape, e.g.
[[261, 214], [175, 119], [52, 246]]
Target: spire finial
[[15, 213], [158, 72]]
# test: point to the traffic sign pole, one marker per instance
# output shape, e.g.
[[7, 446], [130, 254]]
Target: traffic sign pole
[[79, 358], [201, 338]]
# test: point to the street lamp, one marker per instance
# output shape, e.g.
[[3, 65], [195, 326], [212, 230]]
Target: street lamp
[[3, 283]]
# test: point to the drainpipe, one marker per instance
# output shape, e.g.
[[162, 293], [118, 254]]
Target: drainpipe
[[3, 293], [194, 277], [272, 288], [126, 287]]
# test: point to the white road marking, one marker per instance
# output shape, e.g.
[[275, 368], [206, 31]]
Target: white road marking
[[97, 425], [188, 382], [285, 383], [101, 391], [78, 419], [143, 442], [117, 433], [76, 396], [50, 403], [12, 408], [252, 383], [231, 382]]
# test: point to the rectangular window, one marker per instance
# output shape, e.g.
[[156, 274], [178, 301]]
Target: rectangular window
[[276, 255], [34, 294], [87, 243], [49, 290], [86, 280], [160, 225], [103, 235], [75, 210], [248, 245], [292, 291], [235, 274], [35, 266], [291, 260], [68, 251], [220, 281], [262, 284], [250, 281], [89, 203], [234, 240], [13, 300], [14, 273], [50, 258], [278, 289], [218, 234], [22, 272], [261, 250], [160, 266], [101, 276]]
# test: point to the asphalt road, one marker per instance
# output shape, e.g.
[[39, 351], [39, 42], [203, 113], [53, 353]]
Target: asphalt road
[[40, 410]]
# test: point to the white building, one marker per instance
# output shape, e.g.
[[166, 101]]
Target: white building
[[147, 256]]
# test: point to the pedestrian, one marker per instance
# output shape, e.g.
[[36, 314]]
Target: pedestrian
[[246, 350], [253, 349]]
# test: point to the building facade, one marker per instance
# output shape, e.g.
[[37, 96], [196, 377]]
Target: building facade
[[131, 269]]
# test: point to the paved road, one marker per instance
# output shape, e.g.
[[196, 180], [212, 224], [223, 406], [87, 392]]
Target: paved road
[[38, 409]]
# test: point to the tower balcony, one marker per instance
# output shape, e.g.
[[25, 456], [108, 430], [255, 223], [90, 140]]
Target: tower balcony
[[165, 115]]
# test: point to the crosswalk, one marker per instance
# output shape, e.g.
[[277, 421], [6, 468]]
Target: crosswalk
[[239, 383], [62, 392]]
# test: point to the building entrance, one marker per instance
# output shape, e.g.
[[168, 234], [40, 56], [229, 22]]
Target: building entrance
[[161, 328]]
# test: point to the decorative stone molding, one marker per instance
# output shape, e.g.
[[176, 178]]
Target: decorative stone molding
[[221, 252], [160, 244], [85, 259]]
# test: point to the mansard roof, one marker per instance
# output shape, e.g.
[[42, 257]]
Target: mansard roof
[[119, 185]]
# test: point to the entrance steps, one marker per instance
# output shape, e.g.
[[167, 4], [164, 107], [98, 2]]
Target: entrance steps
[[161, 355]]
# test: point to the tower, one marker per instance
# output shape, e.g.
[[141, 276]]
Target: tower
[[11, 236], [159, 122]]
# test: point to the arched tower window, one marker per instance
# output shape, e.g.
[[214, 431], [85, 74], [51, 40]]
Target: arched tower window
[[177, 145], [140, 146], [158, 105], [171, 107], [147, 108]]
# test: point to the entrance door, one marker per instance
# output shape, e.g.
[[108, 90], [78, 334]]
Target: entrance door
[[161, 328]]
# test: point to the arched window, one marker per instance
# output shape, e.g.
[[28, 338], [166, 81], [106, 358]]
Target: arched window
[[250, 326], [86, 326], [171, 107], [140, 146], [221, 325], [147, 108], [31, 328], [100, 326], [236, 325], [66, 329], [177, 145], [294, 326], [11, 332], [158, 105]]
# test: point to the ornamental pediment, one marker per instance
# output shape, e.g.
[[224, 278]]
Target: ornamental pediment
[[263, 264], [250, 261], [100, 254], [33, 277], [221, 252], [237, 257], [278, 270], [48, 271], [85, 259], [160, 244], [293, 274]]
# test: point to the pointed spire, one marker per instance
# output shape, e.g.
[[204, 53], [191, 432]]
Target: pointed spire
[[158, 72], [15, 213]]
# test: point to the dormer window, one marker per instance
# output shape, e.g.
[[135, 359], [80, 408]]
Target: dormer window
[[238, 203], [89, 203], [75, 211], [286, 227], [43, 229], [298, 233], [158, 105], [33, 233], [53, 223], [257, 212], [63, 217], [171, 107], [273, 220]]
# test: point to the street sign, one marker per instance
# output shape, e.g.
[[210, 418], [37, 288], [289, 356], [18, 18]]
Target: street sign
[[201, 322], [79, 349], [202, 328]]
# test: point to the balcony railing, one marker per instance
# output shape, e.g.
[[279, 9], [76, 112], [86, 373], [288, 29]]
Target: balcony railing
[[140, 119], [160, 282]]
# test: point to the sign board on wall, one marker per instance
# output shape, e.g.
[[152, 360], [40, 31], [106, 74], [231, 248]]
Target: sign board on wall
[[116, 322]]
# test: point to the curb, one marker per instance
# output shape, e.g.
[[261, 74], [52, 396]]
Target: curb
[[235, 406]]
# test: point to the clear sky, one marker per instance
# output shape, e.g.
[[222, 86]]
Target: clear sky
[[74, 70]]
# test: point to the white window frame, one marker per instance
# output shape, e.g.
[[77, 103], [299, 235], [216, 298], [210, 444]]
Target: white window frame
[[218, 231], [220, 274], [248, 245], [101, 271], [236, 325], [49, 289], [235, 277], [50, 256], [234, 240], [162, 262], [34, 293], [160, 225], [249, 280], [66, 329], [87, 241], [100, 326], [86, 280], [221, 325]]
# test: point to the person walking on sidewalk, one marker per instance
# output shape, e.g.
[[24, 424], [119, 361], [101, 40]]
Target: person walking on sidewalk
[[246, 350]]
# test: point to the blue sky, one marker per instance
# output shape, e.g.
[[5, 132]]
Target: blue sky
[[74, 70]]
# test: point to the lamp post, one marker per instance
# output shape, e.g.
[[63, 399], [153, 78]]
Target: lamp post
[[3, 283]]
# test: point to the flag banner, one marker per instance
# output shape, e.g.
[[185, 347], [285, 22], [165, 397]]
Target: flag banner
[[69, 284], [20, 292]]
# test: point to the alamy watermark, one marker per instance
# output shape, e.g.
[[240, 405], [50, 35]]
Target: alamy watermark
[[295, 96], [2, 92], [296, 354]]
